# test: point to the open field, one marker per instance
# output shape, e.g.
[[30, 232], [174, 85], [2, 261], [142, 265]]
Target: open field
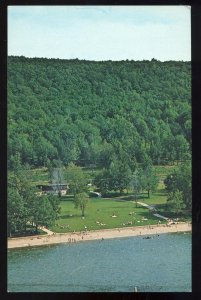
[[100, 211], [99, 215]]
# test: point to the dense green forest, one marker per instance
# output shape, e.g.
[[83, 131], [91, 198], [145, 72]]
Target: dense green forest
[[94, 113], [120, 117]]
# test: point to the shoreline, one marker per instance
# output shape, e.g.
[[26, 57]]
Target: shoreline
[[71, 237]]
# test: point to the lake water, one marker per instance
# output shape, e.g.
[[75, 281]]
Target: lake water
[[159, 264]]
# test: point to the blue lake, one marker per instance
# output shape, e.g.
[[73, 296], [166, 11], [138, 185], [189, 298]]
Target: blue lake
[[159, 264]]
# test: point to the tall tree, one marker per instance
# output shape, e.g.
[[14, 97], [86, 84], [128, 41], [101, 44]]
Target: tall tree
[[16, 212], [81, 201], [119, 176], [175, 202], [181, 179], [149, 180], [76, 179], [102, 181], [43, 212], [25, 207]]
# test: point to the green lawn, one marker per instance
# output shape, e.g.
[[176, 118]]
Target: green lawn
[[101, 210], [157, 198]]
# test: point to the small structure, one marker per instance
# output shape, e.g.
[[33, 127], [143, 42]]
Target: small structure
[[54, 189]]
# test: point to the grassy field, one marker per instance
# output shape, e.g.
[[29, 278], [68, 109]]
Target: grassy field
[[99, 213], [101, 210]]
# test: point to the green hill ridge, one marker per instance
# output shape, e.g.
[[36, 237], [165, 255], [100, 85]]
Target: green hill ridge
[[88, 111]]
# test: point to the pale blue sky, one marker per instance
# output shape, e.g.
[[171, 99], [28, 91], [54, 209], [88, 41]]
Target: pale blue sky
[[100, 32]]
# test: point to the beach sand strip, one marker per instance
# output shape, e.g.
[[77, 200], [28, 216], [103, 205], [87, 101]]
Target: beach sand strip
[[57, 238]]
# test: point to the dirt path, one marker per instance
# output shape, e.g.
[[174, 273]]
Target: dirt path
[[147, 206], [153, 209], [49, 232], [160, 216]]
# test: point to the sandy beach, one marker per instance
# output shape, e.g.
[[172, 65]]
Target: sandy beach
[[57, 238]]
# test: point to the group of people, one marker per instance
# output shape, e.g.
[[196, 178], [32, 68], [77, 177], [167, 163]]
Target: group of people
[[71, 240], [171, 221]]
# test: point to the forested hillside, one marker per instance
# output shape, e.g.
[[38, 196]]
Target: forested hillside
[[95, 112]]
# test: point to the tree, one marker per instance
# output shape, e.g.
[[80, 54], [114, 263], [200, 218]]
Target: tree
[[171, 182], [44, 150], [15, 162], [43, 212], [184, 183], [25, 207], [21, 197], [175, 201], [102, 181], [119, 176], [54, 201], [116, 177], [149, 180], [181, 147], [16, 212], [76, 179], [81, 201], [106, 154], [181, 179]]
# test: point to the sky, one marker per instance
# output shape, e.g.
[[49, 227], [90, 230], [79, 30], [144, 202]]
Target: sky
[[100, 32]]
